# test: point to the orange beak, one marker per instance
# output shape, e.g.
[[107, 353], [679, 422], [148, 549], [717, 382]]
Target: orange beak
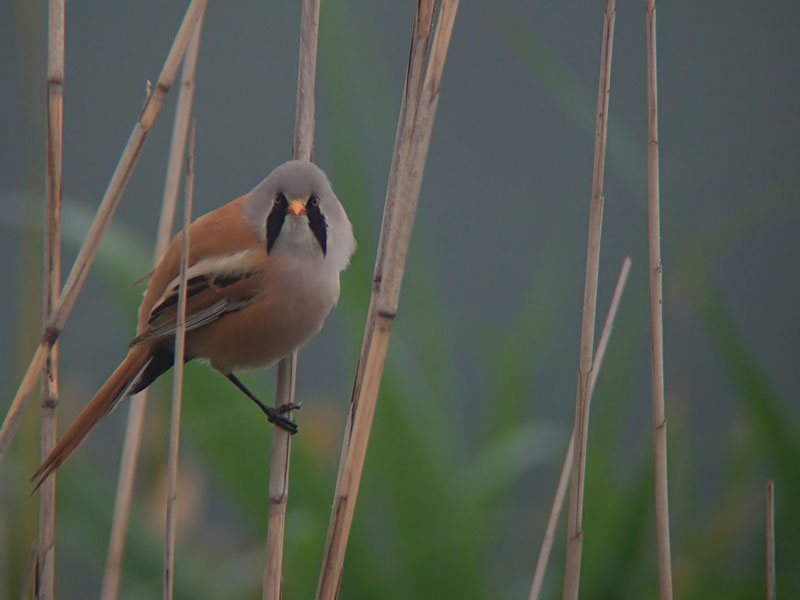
[[297, 208]]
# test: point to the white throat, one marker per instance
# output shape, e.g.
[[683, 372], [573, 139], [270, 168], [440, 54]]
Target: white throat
[[297, 239]]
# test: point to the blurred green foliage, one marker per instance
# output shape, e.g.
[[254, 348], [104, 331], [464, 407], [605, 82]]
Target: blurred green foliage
[[446, 508]]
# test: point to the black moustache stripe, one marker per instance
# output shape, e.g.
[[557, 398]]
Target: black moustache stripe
[[316, 221], [275, 220]]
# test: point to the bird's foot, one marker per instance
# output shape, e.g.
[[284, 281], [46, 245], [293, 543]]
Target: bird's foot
[[284, 408], [275, 417]]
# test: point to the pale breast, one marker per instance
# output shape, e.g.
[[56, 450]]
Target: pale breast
[[292, 309]]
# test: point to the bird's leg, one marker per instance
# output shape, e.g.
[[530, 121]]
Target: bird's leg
[[273, 415]]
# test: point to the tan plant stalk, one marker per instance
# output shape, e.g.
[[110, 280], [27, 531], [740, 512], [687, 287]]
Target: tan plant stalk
[[302, 149], [656, 317], [45, 562], [771, 540], [417, 60], [177, 149], [563, 480], [575, 522], [279, 484], [27, 590], [177, 382], [401, 203], [116, 187], [138, 403]]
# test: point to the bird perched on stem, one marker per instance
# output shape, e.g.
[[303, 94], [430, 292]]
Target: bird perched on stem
[[263, 276]]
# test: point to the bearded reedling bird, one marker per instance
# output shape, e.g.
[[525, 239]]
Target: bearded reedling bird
[[263, 276]]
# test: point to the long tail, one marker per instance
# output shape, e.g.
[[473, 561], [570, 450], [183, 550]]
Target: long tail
[[102, 403]]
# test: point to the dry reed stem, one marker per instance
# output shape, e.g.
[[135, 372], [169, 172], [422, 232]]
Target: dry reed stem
[[771, 539], [656, 317], [302, 149], [27, 589], [177, 382], [418, 58], [177, 149], [111, 198], [411, 147], [279, 484], [122, 502], [575, 522], [45, 563], [138, 403], [561, 488]]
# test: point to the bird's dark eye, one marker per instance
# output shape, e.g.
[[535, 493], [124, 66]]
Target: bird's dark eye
[[313, 201], [280, 199]]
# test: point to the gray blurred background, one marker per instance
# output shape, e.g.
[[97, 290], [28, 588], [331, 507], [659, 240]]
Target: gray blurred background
[[495, 274]]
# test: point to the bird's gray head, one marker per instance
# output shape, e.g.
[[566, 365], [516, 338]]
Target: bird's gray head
[[295, 204]]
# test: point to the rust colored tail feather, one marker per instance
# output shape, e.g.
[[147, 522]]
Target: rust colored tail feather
[[103, 401]]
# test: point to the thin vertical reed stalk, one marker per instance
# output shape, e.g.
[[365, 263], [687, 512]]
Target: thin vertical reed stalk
[[417, 60], [116, 187], [302, 149], [563, 480], [408, 162], [771, 540], [27, 590], [656, 317], [279, 484], [177, 383], [575, 522], [45, 563], [180, 131], [138, 403]]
